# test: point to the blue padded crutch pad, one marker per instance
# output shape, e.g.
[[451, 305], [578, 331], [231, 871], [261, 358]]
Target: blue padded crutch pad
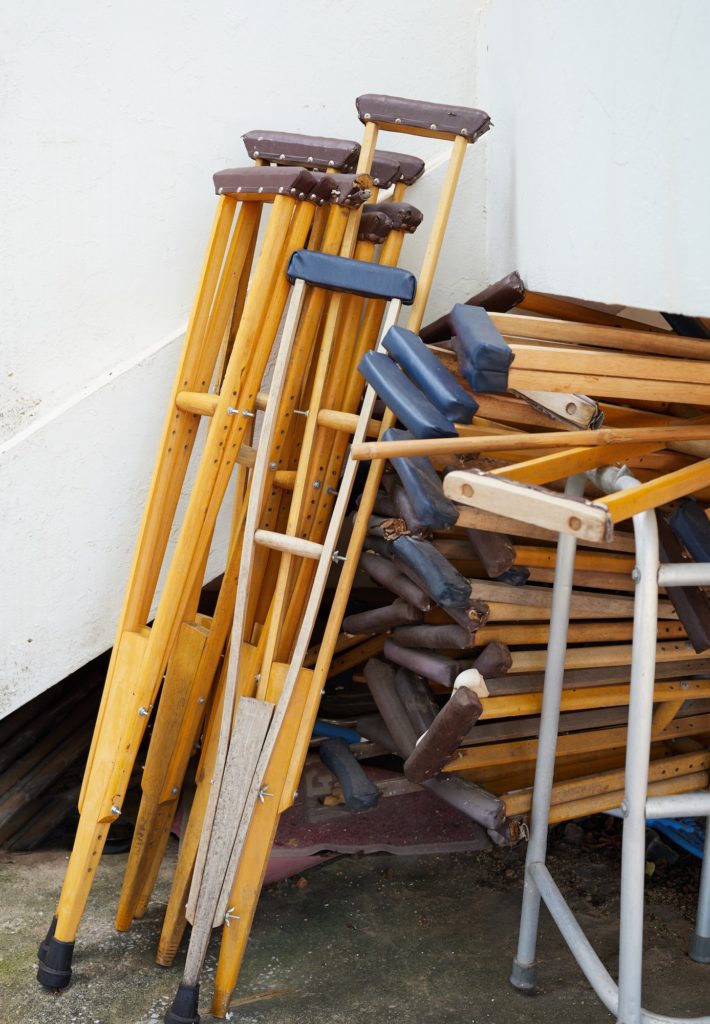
[[692, 527], [423, 486], [407, 402], [484, 358], [338, 274], [430, 374]]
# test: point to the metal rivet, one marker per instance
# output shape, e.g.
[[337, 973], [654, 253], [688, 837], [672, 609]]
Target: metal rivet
[[256, 152], [174, 790], [636, 574], [398, 120], [316, 485], [367, 117], [433, 127], [273, 466], [230, 916], [200, 700]]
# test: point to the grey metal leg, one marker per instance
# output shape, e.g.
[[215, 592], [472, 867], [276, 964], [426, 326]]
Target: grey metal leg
[[700, 946], [638, 743], [523, 975]]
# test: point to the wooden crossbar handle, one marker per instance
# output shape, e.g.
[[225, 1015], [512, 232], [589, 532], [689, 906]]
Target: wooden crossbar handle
[[529, 504], [289, 545], [201, 403]]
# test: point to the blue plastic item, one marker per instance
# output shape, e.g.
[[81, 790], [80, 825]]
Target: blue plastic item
[[688, 833], [336, 732], [339, 274]]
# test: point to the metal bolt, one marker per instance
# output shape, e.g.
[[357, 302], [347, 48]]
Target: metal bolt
[[200, 700], [322, 693], [230, 916], [301, 412], [175, 791], [316, 485], [115, 810], [332, 491], [273, 466], [143, 712], [684, 684], [338, 558], [251, 415], [263, 793], [257, 677], [231, 411], [636, 574]]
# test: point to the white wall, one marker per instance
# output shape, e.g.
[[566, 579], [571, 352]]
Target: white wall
[[114, 117], [597, 179]]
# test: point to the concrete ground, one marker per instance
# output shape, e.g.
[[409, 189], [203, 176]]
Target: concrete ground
[[376, 938]]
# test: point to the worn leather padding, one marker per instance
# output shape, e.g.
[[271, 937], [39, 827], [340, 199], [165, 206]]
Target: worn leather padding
[[355, 276], [408, 402], [440, 117], [268, 180], [430, 374], [411, 167], [310, 150], [404, 216]]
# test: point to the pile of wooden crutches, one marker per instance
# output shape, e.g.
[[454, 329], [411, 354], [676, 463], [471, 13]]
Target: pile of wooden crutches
[[236, 678], [470, 508]]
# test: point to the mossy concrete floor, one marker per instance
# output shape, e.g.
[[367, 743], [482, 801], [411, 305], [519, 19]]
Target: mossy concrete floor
[[378, 938]]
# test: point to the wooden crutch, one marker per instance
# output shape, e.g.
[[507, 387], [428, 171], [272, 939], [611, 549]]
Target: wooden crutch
[[142, 657]]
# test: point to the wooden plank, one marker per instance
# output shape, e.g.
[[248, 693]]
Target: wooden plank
[[624, 504], [590, 697], [574, 743], [555, 512], [513, 325]]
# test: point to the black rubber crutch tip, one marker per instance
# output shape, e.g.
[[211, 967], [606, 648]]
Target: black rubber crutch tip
[[184, 1006], [54, 970]]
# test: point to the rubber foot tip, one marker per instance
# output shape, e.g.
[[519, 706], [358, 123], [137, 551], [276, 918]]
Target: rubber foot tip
[[54, 970], [700, 949], [523, 977], [184, 1006]]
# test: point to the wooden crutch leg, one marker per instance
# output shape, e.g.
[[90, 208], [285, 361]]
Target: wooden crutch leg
[[180, 428]]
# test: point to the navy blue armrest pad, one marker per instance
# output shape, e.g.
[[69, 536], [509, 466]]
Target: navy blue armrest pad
[[479, 338], [343, 275], [430, 374], [407, 402]]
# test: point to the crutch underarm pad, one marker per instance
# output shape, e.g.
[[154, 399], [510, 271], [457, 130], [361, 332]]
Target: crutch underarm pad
[[431, 508], [496, 298], [407, 402], [484, 358], [411, 167], [434, 573], [268, 181], [384, 170], [374, 226], [430, 374], [311, 150], [692, 527], [439, 120], [404, 216], [337, 273]]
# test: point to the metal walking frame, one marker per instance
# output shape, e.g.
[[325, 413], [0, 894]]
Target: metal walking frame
[[624, 999]]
